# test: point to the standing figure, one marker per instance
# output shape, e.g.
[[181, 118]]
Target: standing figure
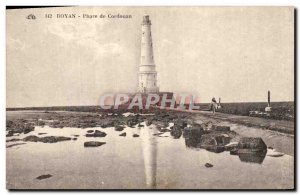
[[213, 105]]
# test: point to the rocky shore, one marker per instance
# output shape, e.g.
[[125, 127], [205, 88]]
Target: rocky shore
[[207, 135]]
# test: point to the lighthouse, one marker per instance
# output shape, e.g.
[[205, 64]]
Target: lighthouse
[[147, 73]]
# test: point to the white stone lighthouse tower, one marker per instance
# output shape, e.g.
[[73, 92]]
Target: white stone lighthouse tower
[[147, 72]]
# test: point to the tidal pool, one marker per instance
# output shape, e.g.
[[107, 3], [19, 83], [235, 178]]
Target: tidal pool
[[145, 162]]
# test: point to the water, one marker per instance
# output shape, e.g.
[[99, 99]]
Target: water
[[144, 162]]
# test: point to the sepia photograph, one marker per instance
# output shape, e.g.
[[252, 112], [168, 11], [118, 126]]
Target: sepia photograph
[[150, 98]]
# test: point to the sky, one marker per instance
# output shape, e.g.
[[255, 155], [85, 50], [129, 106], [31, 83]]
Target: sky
[[236, 53]]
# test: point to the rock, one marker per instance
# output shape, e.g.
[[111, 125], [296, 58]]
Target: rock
[[106, 124], [31, 138], [119, 128], [193, 131], [207, 126], [97, 133], [93, 144], [44, 176], [192, 136], [148, 122], [214, 142], [181, 124], [19, 126], [28, 128], [136, 135], [53, 139], [271, 148], [275, 154], [220, 128], [157, 134], [9, 134], [132, 122], [90, 131], [16, 144], [123, 134], [75, 138], [42, 133], [140, 125], [251, 144], [234, 152], [13, 140], [160, 123], [47, 139], [208, 165], [176, 132]]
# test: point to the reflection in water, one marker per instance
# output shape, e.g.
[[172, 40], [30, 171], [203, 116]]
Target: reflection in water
[[216, 144], [192, 138], [257, 157], [149, 145]]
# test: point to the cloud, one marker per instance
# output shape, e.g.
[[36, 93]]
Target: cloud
[[72, 31], [84, 34]]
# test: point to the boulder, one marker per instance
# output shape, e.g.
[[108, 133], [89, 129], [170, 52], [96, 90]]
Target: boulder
[[93, 144], [31, 138], [97, 133], [123, 134], [214, 142], [119, 128], [180, 123], [251, 145], [176, 132], [192, 136], [193, 131], [53, 139], [136, 135], [47, 139], [90, 131]]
